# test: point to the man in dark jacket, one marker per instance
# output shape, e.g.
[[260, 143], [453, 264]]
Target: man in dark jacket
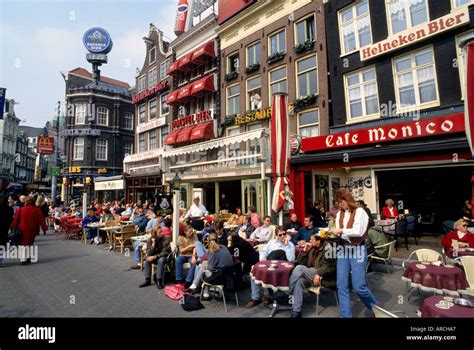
[[158, 249], [316, 265], [6, 218]]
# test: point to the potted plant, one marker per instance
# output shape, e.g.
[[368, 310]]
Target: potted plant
[[231, 76], [306, 46], [277, 56], [304, 101], [252, 68]]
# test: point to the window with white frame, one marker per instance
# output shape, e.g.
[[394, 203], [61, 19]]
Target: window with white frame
[[233, 63], [152, 142], [307, 76], [153, 55], [165, 109], [152, 77], [80, 114], [305, 30], [164, 68], [404, 14], [253, 146], [361, 93], [277, 43], [141, 113], [128, 121], [233, 148], [101, 149], [458, 3], [308, 123], [253, 54], [78, 150], [141, 83], [127, 148], [153, 109], [233, 99], [415, 79], [462, 58], [354, 27], [164, 134], [254, 93], [278, 80], [102, 116], [141, 143]]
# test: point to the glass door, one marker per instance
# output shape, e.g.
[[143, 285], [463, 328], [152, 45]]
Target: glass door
[[252, 196]]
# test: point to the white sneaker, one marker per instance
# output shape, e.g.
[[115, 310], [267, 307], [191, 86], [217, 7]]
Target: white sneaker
[[193, 286]]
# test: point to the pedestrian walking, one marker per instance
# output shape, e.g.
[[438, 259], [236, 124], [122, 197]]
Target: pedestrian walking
[[6, 218]]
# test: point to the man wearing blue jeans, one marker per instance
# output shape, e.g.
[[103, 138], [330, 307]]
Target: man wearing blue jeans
[[180, 261], [186, 245]]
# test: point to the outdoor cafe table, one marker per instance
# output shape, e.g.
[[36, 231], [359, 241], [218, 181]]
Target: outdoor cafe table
[[276, 278], [441, 306], [108, 230], [437, 279]]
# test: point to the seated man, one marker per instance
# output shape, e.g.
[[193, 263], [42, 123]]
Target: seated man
[[263, 233], [140, 220], [318, 260], [89, 219], [158, 249], [304, 233], [279, 248], [294, 224]]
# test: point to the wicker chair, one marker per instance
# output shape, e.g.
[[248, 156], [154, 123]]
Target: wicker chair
[[124, 235]]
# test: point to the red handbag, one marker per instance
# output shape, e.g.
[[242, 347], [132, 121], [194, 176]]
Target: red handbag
[[175, 291]]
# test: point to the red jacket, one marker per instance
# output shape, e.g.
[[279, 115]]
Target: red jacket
[[30, 222], [387, 215], [447, 240]]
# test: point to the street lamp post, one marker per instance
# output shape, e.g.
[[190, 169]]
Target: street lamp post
[[176, 187], [54, 178]]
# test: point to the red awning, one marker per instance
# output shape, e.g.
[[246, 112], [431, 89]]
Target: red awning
[[204, 85], [208, 49], [184, 134], [173, 68], [171, 139], [184, 93], [203, 131], [171, 99], [183, 63]]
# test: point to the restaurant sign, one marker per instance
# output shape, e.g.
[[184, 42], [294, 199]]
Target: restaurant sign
[[45, 145], [155, 123], [416, 34], [253, 116], [395, 132], [109, 185], [162, 85], [193, 119]]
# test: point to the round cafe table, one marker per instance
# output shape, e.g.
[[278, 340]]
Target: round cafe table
[[438, 279], [441, 306], [275, 278]]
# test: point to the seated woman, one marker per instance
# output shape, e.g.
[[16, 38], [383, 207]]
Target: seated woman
[[219, 258], [237, 218], [106, 216], [199, 260], [460, 234], [243, 251], [389, 212], [186, 244]]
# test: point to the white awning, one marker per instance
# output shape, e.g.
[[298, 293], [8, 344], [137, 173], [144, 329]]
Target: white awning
[[217, 143]]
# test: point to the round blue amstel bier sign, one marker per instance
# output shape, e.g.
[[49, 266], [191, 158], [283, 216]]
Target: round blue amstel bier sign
[[97, 40]]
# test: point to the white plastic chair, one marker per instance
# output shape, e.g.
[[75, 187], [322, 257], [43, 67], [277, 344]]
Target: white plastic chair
[[317, 290], [467, 263], [425, 255]]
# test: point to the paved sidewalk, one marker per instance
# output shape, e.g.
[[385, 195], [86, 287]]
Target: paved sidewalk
[[72, 279]]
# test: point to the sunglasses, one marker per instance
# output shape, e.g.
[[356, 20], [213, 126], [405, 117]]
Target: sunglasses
[[281, 234], [464, 225]]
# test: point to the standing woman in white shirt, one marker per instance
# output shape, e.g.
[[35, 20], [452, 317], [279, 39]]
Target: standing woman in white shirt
[[351, 226]]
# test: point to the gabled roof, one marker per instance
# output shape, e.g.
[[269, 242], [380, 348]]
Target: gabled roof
[[82, 72]]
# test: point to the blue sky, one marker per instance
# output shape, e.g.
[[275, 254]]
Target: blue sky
[[39, 39]]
